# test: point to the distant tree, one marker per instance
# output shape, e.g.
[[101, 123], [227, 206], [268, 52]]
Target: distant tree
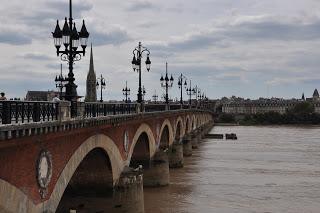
[[226, 118], [303, 108]]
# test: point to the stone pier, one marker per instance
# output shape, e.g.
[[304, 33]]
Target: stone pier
[[158, 172], [187, 146], [176, 155], [195, 139], [128, 193]]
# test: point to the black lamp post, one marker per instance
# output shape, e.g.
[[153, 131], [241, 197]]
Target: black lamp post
[[196, 90], [60, 81], [166, 83], [136, 65], [126, 92], [155, 97], [181, 84], [200, 97], [70, 38], [190, 92], [102, 85], [143, 92]]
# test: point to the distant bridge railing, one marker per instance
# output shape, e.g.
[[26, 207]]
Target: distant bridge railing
[[19, 112]]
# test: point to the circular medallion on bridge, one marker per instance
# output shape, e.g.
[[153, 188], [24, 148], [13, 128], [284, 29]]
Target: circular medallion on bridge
[[44, 169], [126, 141]]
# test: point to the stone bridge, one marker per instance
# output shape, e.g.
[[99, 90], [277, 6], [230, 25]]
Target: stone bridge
[[49, 166]]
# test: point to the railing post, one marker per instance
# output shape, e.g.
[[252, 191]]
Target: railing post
[[6, 112], [64, 110], [167, 107], [138, 109]]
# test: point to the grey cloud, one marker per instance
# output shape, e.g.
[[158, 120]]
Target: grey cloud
[[141, 5], [259, 30], [14, 38], [36, 56], [274, 30], [115, 36]]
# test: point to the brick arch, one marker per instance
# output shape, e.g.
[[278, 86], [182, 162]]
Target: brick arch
[[171, 134], [182, 132], [187, 124], [98, 141], [22, 203], [194, 123], [143, 128]]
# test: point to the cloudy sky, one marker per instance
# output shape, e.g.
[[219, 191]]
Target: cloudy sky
[[248, 48]]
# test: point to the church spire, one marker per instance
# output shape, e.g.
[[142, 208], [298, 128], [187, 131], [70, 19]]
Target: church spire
[[91, 93], [91, 68]]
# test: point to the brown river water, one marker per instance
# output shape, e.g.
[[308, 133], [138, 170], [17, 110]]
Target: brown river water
[[268, 169]]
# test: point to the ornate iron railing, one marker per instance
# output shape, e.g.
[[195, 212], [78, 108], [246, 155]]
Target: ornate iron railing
[[27, 111], [154, 107], [105, 109], [30, 111], [174, 106]]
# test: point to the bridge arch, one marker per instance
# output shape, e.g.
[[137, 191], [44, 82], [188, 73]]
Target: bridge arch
[[179, 129], [194, 122], [166, 133], [187, 124], [143, 143], [20, 202], [98, 142], [92, 177]]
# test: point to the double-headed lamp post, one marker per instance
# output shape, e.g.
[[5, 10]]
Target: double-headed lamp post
[[201, 97], [155, 97], [60, 82], [71, 40], [101, 81], [190, 91], [126, 92], [181, 84], [136, 65], [166, 83]]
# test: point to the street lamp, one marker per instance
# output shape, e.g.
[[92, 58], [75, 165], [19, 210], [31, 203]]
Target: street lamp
[[60, 81], [136, 65], [180, 84], [201, 97], [155, 97], [143, 92], [102, 85], [126, 92], [166, 83], [190, 91], [71, 40]]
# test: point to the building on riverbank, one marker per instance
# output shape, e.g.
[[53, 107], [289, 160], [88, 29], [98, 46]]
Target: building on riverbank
[[262, 105]]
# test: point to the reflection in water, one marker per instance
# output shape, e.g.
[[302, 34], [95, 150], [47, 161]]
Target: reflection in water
[[268, 169]]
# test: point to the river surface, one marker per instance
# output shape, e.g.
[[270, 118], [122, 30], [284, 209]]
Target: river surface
[[268, 169]]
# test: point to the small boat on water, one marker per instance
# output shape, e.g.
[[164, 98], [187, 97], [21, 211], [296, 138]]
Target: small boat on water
[[231, 136]]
